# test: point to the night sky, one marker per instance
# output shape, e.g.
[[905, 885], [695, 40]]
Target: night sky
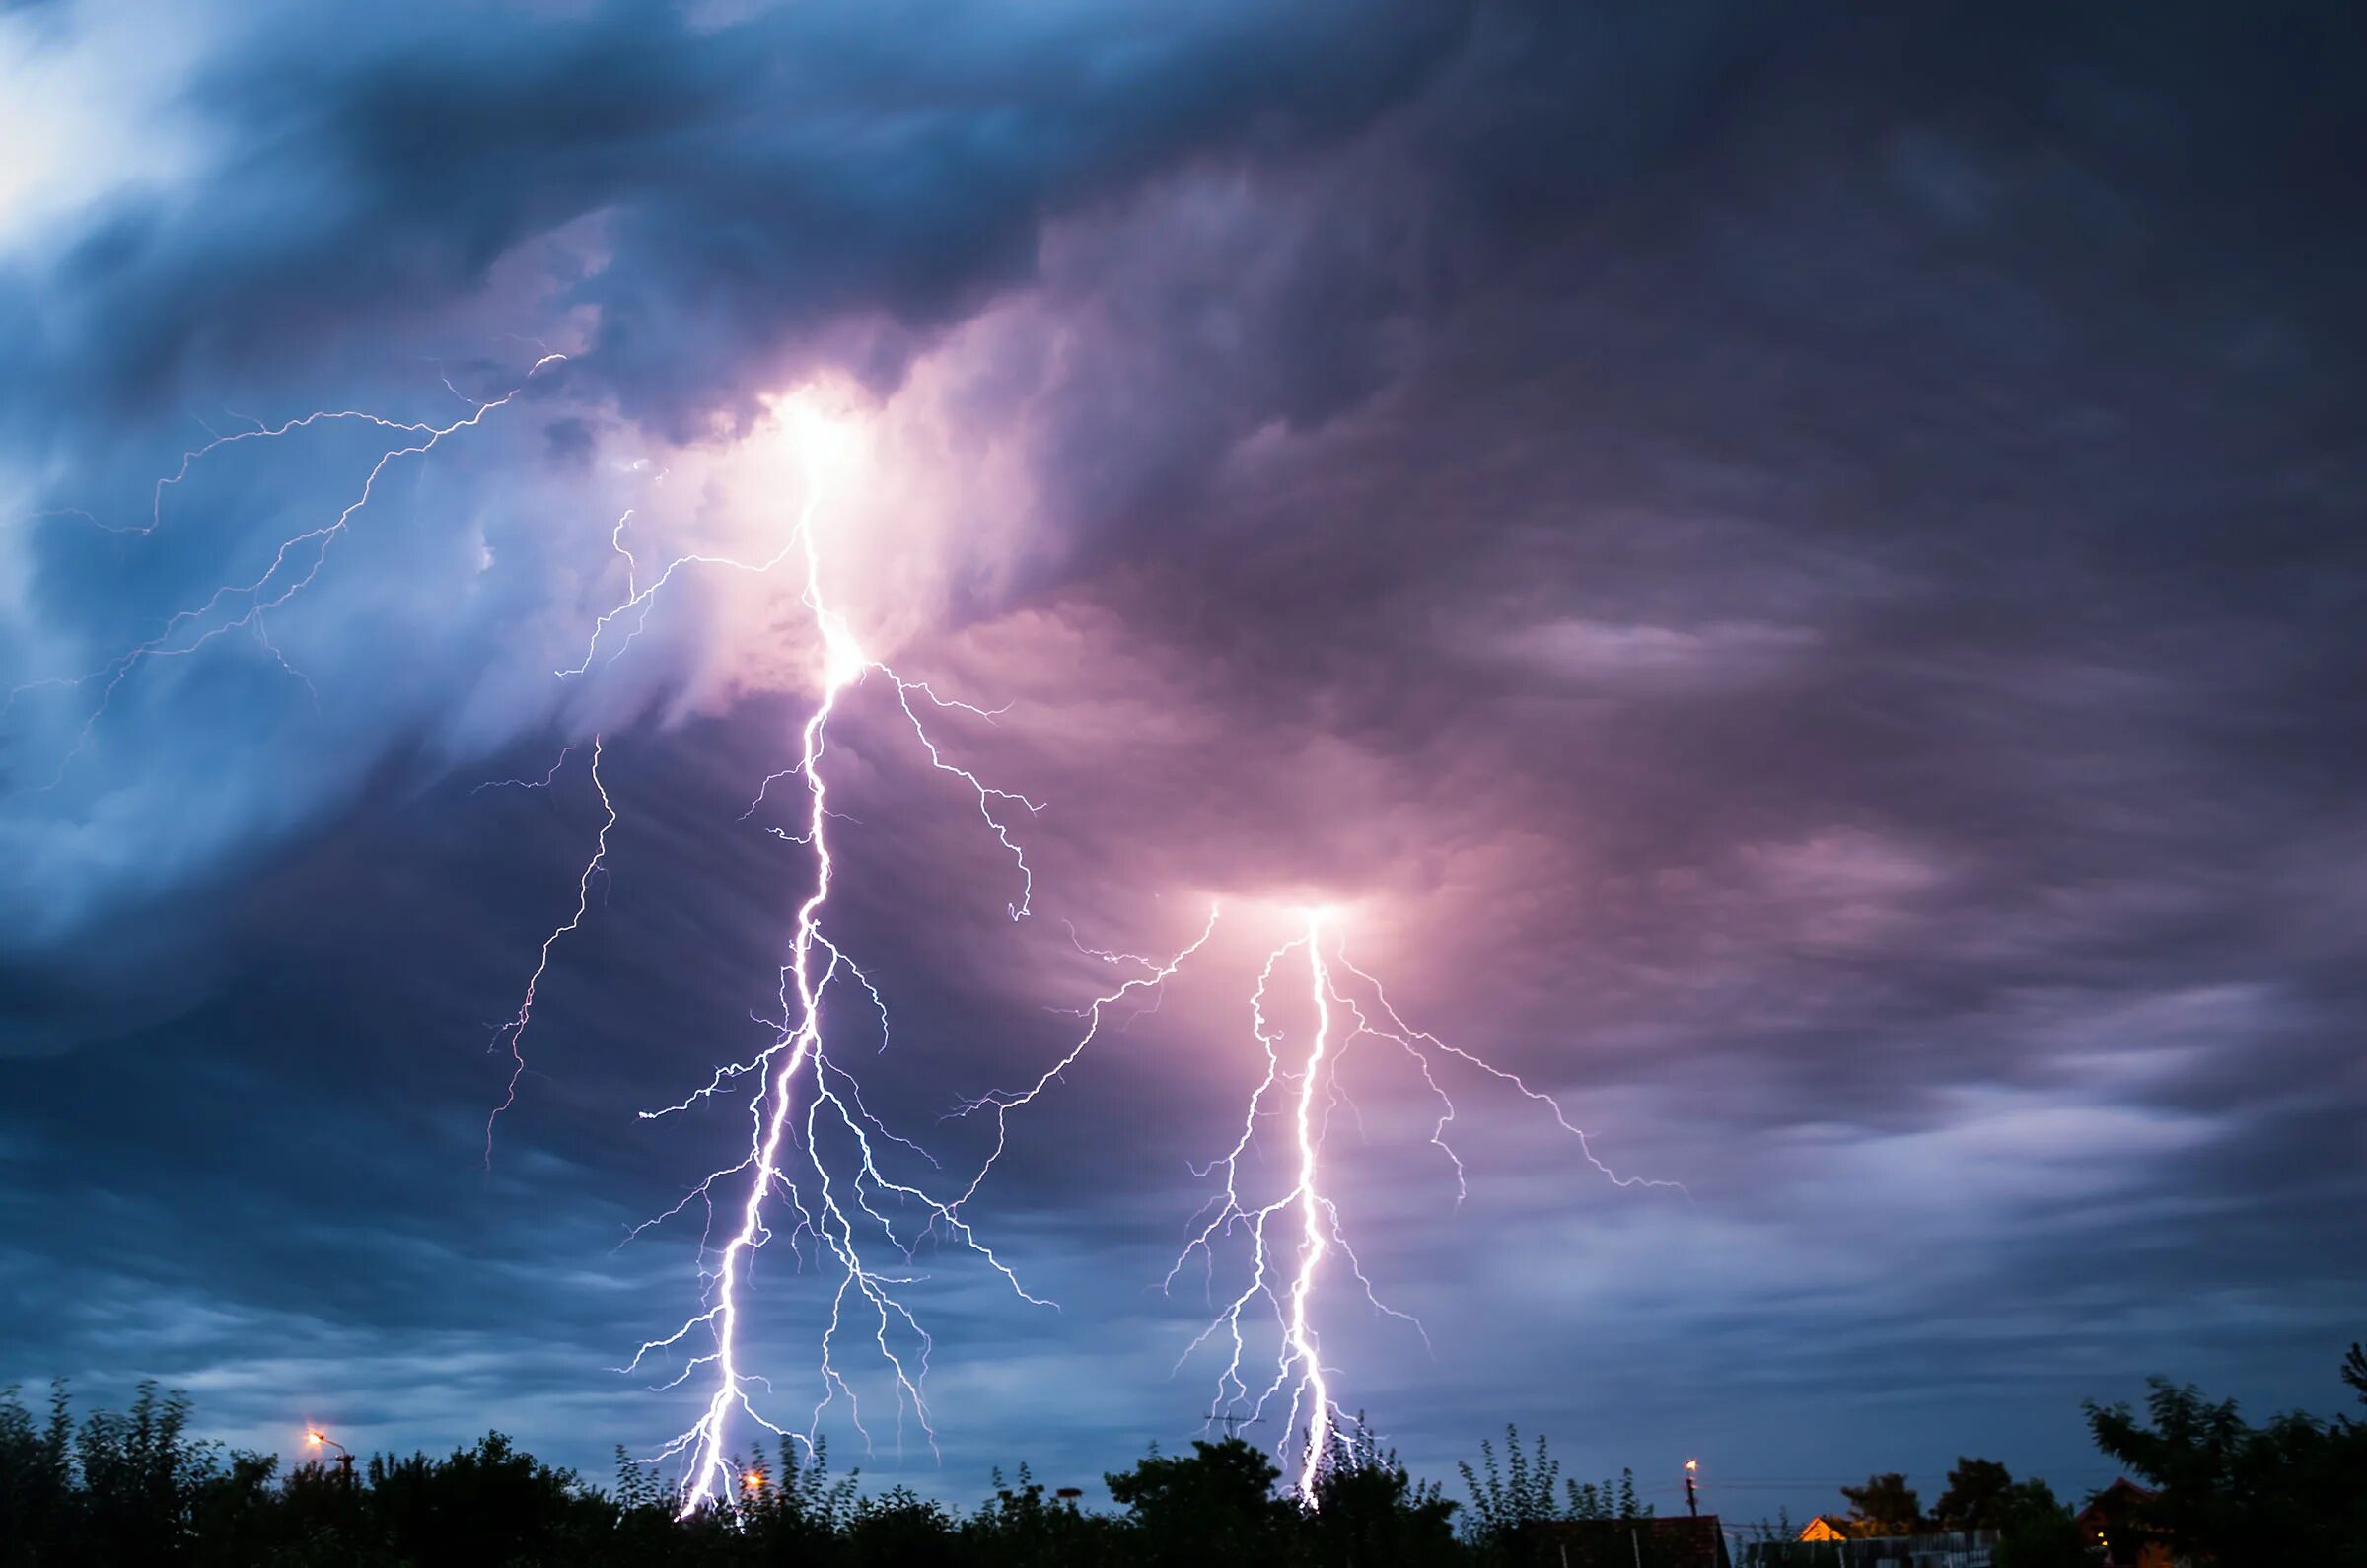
[[1793, 576]]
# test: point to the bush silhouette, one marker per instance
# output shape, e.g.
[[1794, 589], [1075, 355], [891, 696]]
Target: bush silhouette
[[132, 1488]]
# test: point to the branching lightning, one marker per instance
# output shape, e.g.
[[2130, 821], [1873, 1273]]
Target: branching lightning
[[1293, 1236], [293, 567], [841, 1200], [813, 1169], [513, 1032], [817, 1165], [1156, 972]]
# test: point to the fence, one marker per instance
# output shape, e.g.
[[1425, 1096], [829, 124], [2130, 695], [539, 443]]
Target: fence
[[1962, 1548]]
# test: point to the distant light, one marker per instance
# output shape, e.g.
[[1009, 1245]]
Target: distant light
[[315, 1439], [752, 1481], [1693, 1464]]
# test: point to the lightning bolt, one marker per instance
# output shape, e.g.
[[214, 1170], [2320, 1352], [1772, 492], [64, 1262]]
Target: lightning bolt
[[1293, 1237], [1319, 1224], [814, 1166], [816, 1152], [1156, 973], [513, 1032], [1299, 1361]]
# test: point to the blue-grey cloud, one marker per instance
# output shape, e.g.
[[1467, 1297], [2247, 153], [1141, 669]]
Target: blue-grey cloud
[[1800, 572]]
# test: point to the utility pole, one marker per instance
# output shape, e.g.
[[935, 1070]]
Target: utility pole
[[316, 1438], [1691, 1506]]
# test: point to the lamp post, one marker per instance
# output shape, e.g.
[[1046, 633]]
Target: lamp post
[[318, 1439], [1692, 1508]]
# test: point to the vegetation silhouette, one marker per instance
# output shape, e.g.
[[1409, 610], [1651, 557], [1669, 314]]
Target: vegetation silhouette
[[133, 1488], [2291, 1491]]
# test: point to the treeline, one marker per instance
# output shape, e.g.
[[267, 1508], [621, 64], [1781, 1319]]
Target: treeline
[[2028, 1527], [2216, 1490], [132, 1488]]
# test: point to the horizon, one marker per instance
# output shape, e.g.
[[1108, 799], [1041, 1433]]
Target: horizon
[[1657, 1499]]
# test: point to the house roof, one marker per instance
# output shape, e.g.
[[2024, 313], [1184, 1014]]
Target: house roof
[[2120, 1494]]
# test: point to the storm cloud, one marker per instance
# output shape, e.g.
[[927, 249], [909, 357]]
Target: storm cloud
[[1795, 574]]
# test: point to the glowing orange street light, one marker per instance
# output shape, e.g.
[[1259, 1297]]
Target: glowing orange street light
[[1691, 1468], [313, 1436]]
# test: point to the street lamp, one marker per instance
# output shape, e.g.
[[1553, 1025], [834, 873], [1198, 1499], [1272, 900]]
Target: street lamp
[[318, 1439]]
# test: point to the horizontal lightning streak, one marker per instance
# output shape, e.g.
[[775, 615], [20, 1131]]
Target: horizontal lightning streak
[[1405, 1034], [266, 592], [1000, 1103]]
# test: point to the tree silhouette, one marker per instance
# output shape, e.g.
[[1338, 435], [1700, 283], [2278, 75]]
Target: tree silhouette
[[1218, 1505], [1519, 1492], [2037, 1532], [37, 1496], [1370, 1510], [1979, 1494], [133, 1488], [2293, 1490], [1885, 1505]]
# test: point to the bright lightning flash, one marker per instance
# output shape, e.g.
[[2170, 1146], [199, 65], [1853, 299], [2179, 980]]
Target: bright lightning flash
[[805, 1103], [1291, 1237], [843, 1202]]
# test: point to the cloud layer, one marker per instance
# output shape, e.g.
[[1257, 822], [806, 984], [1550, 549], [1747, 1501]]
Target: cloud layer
[[1793, 576]]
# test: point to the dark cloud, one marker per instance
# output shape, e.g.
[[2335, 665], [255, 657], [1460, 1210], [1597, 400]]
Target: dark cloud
[[1795, 572], [739, 186]]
